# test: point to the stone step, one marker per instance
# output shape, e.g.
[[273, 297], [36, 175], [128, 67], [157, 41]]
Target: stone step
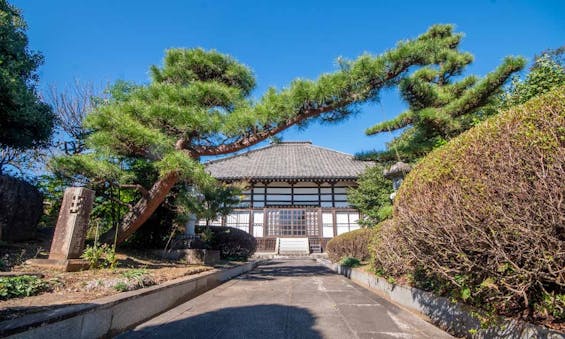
[[293, 246]]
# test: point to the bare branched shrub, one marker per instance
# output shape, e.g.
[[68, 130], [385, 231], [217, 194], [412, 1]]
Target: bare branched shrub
[[388, 253], [353, 244], [483, 217], [72, 104]]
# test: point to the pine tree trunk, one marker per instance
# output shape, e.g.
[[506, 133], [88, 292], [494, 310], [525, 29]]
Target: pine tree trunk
[[142, 210]]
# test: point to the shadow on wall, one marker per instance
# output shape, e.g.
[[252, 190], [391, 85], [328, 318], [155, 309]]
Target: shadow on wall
[[16, 320], [444, 313], [261, 321], [458, 320]]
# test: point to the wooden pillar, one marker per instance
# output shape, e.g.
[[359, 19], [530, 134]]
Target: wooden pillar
[[265, 184], [292, 193], [320, 223], [333, 194], [265, 234], [251, 217], [334, 218], [252, 193], [320, 216], [319, 194]]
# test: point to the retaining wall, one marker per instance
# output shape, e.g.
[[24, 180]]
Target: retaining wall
[[114, 314], [449, 316]]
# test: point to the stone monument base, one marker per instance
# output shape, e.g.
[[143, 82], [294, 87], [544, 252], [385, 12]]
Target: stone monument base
[[192, 256], [65, 265]]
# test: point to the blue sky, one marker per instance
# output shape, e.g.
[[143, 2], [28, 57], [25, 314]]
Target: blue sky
[[105, 40]]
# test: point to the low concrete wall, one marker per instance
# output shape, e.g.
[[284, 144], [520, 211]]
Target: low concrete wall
[[440, 311], [114, 314]]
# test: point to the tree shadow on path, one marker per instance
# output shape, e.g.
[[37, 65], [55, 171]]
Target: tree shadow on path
[[259, 321], [286, 269]]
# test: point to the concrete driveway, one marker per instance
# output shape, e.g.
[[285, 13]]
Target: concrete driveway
[[287, 299]]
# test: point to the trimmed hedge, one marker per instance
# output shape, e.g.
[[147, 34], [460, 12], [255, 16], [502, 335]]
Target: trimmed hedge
[[354, 244], [482, 218], [232, 243]]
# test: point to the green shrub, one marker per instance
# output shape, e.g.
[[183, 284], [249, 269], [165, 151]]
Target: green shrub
[[233, 244], [351, 244], [481, 218], [135, 273], [350, 262], [100, 256], [121, 286], [21, 286]]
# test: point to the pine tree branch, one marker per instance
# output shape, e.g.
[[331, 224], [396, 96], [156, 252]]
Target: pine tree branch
[[479, 94], [404, 119]]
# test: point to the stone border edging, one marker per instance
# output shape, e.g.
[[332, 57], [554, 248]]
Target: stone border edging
[[439, 310], [114, 314]]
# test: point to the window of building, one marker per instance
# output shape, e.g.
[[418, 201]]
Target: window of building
[[346, 222], [327, 225], [258, 224], [299, 194], [239, 220]]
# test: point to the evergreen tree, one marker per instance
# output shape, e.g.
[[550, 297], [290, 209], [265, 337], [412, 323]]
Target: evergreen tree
[[441, 105], [217, 201], [25, 121], [198, 104], [372, 196]]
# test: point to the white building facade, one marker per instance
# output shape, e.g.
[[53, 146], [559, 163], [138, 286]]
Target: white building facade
[[294, 190]]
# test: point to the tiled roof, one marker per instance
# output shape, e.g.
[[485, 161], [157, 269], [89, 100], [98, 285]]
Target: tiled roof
[[288, 160]]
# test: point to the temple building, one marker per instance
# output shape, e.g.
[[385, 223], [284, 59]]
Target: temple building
[[296, 195]]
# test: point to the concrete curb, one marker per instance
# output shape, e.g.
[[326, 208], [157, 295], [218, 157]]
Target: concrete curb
[[439, 310], [114, 314]]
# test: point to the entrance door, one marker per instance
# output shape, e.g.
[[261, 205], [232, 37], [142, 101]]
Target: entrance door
[[292, 222]]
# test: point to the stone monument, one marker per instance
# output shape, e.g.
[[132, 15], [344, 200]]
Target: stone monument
[[70, 232]]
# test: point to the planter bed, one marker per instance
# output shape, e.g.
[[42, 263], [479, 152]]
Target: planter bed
[[114, 314]]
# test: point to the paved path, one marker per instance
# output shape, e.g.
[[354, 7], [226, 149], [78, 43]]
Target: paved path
[[287, 299]]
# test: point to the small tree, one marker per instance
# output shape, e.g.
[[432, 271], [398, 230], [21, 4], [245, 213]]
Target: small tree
[[372, 196], [546, 73], [211, 202]]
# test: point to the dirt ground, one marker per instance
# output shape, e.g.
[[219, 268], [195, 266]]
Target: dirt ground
[[135, 269]]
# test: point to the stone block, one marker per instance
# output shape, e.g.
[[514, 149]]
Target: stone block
[[70, 265], [202, 257], [21, 207]]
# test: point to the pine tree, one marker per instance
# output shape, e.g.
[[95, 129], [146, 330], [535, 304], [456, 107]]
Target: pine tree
[[198, 104], [441, 105]]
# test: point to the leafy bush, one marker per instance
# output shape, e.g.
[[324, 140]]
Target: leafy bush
[[99, 256], [350, 262], [351, 244], [21, 286], [121, 287], [481, 219], [231, 242]]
